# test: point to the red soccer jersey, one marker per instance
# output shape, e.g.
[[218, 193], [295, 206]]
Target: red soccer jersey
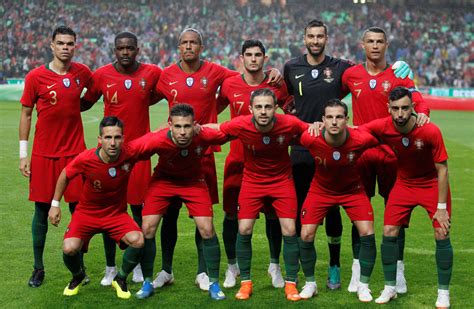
[[236, 93], [105, 184], [417, 151], [337, 172], [59, 131], [127, 96], [197, 89], [266, 154], [370, 93], [177, 164]]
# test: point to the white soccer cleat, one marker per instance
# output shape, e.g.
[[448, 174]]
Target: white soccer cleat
[[137, 274], [364, 293], [388, 293], [309, 290], [274, 271], [202, 280], [231, 275], [443, 299], [401, 285], [163, 278], [110, 273], [355, 278]]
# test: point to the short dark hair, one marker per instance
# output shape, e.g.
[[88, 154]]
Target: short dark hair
[[263, 92], [182, 110], [252, 43], [126, 35], [201, 41], [398, 93], [110, 121], [63, 30], [376, 30], [335, 103], [316, 23]]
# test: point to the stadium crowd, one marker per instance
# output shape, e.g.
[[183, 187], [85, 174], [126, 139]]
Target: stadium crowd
[[435, 40]]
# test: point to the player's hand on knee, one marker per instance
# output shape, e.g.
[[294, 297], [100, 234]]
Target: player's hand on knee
[[443, 219], [25, 167], [54, 215], [422, 119]]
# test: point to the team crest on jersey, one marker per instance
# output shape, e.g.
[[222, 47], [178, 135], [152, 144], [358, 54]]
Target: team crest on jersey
[[198, 150], [126, 167], [266, 140], [128, 83], [405, 141], [419, 144], [328, 77], [142, 83], [372, 83], [281, 139], [112, 172], [189, 81], [386, 86], [351, 156], [66, 82], [204, 82], [314, 73], [336, 155], [78, 81], [184, 153]]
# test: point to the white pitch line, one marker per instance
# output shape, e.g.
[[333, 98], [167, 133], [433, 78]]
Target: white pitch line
[[432, 251]]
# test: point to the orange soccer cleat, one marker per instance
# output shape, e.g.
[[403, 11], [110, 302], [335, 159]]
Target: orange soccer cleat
[[245, 290], [291, 291]]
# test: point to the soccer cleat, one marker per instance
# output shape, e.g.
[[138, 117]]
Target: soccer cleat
[[110, 273], [334, 278], [401, 285], [443, 299], [163, 278], [388, 293], [36, 278], [73, 287], [291, 291], [274, 271], [245, 290], [364, 293], [137, 274], [231, 275], [146, 290], [309, 290], [120, 286], [202, 280], [355, 278], [215, 291]]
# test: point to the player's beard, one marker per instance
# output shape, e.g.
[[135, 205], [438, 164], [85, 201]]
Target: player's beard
[[316, 54]]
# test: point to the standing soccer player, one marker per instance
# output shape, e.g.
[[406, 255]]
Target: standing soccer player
[[422, 179], [128, 89], [313, 79], [337, 182], [235, 93], [370, 84], [55, 89], [267, 178], [102, 207]]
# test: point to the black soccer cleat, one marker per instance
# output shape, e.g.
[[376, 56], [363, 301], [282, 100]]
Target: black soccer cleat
[[36, 278]]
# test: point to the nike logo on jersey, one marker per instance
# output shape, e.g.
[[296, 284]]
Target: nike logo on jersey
[[108, 86], [172, 83], [236, 95], [50, 86], [357, 84], [299, 76]]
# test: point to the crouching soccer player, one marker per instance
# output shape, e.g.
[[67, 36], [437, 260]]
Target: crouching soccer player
[[337, 182], [422, 179], [102, 206]]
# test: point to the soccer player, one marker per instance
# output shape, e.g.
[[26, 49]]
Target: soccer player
[[235, 93], [337, 182], [370, 84], [102, 206], [128, 89], [313, 79], [55, 89], [179, 175], [193, 81], [267, 178], [422, 179]]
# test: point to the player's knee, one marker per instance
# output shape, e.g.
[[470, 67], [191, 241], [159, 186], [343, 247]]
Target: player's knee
[[288, 230], [439, 234], [149, 229], [391, 230], [245, 229], [70, 248], [135, 239], [306, 235]]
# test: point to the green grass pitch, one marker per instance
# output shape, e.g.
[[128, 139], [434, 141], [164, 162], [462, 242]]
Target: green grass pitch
[[16, 252]]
